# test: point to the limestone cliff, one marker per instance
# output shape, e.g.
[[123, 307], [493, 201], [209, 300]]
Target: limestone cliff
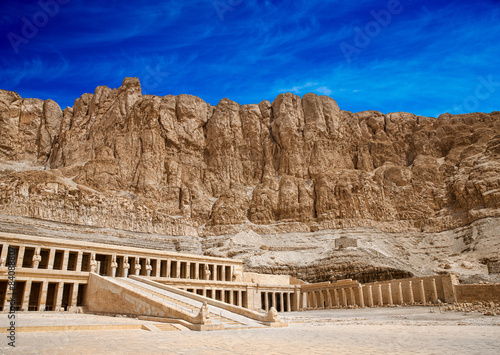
[[177, 165], [273, 184]]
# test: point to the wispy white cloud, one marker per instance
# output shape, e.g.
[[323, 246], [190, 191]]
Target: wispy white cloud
[[308, 87], [323, 90]]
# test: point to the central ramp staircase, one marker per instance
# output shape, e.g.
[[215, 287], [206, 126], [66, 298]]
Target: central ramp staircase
[[153, 301]]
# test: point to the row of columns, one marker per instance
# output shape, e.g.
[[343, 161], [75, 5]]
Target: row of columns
[[281, 301], [215, 272], [396, 295], [374, 294], [36, 259], [211, 293], [335, 298], [41, 301], [206, 272]]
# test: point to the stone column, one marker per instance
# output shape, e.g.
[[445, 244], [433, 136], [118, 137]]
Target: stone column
[[188, 270], [59, 296], [352, 296], [137, 266], [361, 297], [26, 296], [328, 297], [223, 273], [370, 296], [3, 257], [20, 257], [79, 259], [114, 265], [65, 261], [126, 266], [74, 297], [158, 268], [422, 292], [336, 295], [52, 255], [448, 283], [288, 302], [178, 270], [400, 291], [344, 298], [434, 291], [410, 288], [231, 297], [321, 299], [149, 268], [93, 263], [240, 298], [204, 292], [389, 291], [169, 266], [37, 258], [380, 295], [266, 301], [43, 296], [197, 271]]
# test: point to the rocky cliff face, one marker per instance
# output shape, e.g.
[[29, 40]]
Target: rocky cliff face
[[179, 166]]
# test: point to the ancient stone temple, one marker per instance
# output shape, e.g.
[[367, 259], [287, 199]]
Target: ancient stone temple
[[230, 215], [74, 276]]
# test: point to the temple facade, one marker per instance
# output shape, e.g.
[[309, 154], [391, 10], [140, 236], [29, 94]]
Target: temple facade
[[53, 274], [56, 275]]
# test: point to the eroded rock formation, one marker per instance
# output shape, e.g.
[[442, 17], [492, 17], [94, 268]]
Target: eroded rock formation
[[179, 166]]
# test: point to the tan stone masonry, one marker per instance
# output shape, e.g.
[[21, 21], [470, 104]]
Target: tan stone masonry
[[52, 275]]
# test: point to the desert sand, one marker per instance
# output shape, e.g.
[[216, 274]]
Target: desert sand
[[358, 331]]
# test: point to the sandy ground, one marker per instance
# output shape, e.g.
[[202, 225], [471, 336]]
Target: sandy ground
[[362, 331]]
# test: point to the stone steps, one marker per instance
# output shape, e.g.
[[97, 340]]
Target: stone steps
[[181, 302], [165, 327], [195, 309]]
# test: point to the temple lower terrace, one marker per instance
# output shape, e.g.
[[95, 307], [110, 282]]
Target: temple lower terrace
[[191, 291]]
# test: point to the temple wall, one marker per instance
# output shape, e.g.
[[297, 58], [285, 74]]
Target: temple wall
[[478, 293]]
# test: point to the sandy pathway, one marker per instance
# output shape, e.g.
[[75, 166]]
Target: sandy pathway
[[367, 331]]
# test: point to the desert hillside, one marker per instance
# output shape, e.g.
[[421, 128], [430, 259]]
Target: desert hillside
[[271, 183]]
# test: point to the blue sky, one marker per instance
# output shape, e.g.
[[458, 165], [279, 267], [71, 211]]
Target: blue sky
[[425, 57]]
